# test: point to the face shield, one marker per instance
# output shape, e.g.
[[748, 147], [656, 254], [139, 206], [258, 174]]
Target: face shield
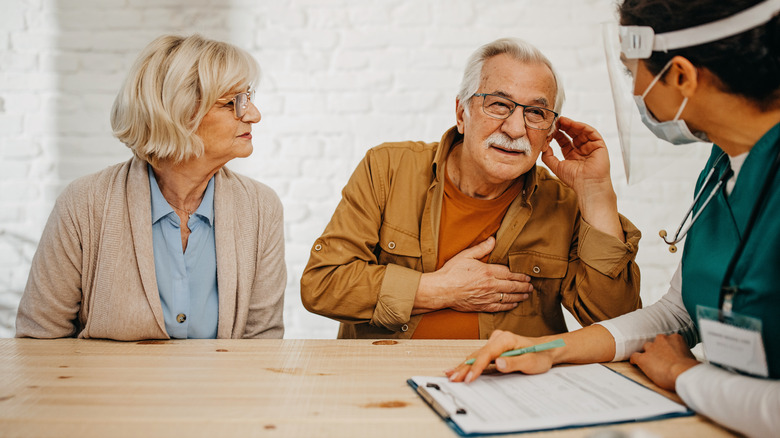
[[643, 153]]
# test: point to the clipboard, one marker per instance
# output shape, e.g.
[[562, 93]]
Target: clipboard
[[518, 403]]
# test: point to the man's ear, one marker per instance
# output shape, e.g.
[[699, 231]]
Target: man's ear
[[683, 75], [546, 144], [550, 135], [459, 116]]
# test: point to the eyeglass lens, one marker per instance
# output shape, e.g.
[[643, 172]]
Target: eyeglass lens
[[241, 102], [501, 108]]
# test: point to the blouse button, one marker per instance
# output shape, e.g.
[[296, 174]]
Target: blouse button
[[180, 318], [391, 245], [537, 270], [317, 247]]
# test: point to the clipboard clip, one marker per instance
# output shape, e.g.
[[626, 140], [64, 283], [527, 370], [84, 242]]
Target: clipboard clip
[[459, 410]]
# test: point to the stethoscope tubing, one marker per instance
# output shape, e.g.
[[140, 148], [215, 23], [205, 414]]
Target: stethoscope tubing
[[680, 234]]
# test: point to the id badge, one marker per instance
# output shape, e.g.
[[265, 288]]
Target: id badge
[[732, 341]]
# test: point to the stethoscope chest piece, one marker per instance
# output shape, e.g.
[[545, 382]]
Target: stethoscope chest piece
[[672, 246]]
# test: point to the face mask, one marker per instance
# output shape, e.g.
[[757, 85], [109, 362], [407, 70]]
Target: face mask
[[674, 131]]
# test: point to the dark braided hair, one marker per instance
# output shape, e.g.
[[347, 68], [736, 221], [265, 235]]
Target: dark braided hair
[[747, 64]]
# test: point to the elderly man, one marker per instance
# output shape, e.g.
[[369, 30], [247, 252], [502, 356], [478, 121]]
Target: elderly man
[[458, 238]]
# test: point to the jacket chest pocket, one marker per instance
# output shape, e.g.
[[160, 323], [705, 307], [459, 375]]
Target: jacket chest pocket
[[547, 273], [398, 248]]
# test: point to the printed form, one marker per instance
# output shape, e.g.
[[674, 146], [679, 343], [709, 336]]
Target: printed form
[[581, 395]]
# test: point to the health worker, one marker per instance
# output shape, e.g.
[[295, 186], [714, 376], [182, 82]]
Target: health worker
[[703, 70]]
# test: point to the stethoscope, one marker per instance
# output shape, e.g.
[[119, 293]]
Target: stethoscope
[[680, 233]]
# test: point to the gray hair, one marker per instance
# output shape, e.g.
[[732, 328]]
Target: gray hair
[[517, 49]]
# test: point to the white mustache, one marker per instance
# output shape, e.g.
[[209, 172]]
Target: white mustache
[[505, 142]]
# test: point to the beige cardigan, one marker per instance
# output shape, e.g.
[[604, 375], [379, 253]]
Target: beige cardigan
[[93, 274]]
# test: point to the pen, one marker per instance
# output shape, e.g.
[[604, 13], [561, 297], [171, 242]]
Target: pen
[[532, 349]]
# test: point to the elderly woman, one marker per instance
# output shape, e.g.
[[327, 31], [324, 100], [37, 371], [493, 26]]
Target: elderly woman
[[169, 244]]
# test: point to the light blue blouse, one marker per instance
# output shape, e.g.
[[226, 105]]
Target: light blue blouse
[[187, 281]]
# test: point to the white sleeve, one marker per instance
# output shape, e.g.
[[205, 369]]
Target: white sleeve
[[632, 330], [745, 404]]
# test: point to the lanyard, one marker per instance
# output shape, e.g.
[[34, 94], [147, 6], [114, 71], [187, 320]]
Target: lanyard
[[728, 290]]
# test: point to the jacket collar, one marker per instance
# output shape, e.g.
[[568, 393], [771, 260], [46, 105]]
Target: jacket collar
[[452, 137]]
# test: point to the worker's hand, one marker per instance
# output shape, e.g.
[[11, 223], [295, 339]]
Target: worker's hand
[[664, 359], [500, 342], [466, 284]]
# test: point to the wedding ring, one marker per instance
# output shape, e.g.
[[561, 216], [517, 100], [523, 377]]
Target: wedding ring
[[501, 298]]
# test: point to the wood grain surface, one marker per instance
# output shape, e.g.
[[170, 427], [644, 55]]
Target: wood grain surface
[[246, 388]]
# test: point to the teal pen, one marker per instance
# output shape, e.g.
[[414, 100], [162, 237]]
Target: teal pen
[[532, 349]]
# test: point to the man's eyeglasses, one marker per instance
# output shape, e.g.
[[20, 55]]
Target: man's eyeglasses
[[240, 102], [500, 107]]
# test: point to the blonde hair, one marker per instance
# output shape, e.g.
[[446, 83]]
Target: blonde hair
[[170, 88], [517, 49]]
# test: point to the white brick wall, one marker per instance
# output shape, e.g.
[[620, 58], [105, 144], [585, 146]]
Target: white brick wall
[[339, 76]]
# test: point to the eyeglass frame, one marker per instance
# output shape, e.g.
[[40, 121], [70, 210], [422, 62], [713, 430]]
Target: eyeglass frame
[[250, 95], [483, 95]]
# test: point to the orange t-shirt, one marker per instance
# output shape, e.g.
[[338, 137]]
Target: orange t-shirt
[[465, 222]]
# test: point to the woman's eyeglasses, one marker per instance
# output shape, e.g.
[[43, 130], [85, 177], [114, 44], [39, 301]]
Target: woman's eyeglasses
[[240, 102]]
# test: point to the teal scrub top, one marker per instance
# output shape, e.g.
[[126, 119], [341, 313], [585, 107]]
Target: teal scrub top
[[714, 238]]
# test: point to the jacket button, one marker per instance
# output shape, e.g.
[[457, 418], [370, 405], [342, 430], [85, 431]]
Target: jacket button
[[391, 245], [537, 270], [404, 328], [180, 318], [317, 247]]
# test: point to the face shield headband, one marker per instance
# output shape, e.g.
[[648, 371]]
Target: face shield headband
[[625, 45], [639, 42]]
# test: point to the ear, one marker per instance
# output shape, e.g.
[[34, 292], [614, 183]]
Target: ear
[[683, 75], [552, 132], [550, 135], [459, 116], [546, 144]]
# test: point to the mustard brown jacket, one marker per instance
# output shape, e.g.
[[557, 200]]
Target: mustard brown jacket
[[365, 268]]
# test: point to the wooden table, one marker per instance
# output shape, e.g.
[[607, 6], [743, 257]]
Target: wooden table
[[241, 388]]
